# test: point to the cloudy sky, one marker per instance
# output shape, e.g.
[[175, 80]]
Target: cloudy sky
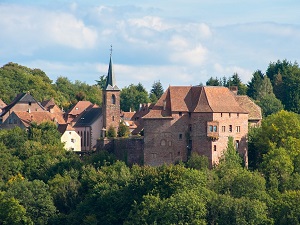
[[179, 42]]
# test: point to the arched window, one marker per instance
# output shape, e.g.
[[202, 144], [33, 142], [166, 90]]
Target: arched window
[[113, 99]]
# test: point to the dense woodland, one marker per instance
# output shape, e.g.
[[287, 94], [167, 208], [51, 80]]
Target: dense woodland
[[41, 183]]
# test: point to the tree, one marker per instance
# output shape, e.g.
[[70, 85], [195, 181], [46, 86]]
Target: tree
[[111, 132], [132, 96], [235, 80], [254, 84], [11, 212], [123, 130], [213, 82], [284, 76], [156, 91], [197, 161], [102, 81], [266, 98], [34, 196]]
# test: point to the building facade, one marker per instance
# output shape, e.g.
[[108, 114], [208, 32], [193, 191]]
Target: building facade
[[197, 119]]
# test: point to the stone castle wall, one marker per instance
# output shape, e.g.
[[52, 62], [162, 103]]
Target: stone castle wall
[[129, 150]]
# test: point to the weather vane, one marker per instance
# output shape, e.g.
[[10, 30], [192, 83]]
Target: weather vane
[[111, 50]]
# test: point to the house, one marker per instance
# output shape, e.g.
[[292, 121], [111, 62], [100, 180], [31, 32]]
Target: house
[[24, 119], [197, 119], [23, 102], [88, 128], [70, 137], [50, 106], [76, 110]]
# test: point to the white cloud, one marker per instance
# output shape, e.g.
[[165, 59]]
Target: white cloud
[[150, 22], [31, 28], [227, 71]]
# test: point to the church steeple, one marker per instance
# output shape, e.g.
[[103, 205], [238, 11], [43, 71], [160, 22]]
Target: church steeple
[[110, 79]]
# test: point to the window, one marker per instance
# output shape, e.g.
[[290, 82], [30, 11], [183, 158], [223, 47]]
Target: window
[[113, 99], [180, 113], [221, 114], [70, 132], [180, 136], [215, 148], [153, 155], [10, 121], [163, 142], [178, 153], [238, 129], [229, 114], [113, 118], [88, 138], [84, 139], [170, 143], [72, 140], [230, 128], [237, 144], [210, 128], [29, 103], [223, 128], [190, 115], [190, 127], [15, 121], [237, 115], [215, 128]]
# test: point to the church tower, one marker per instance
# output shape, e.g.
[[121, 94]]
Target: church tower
[[111, 100]]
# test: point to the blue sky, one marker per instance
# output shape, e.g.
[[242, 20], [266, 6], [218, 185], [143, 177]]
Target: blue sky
[[177, 42]]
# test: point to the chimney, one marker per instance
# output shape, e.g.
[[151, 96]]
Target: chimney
[[234, 89]]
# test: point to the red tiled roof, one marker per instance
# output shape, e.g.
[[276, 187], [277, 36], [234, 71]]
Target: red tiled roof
[[221, 99], [80, 107], [39, 117], [62, 128], [253, 109], [2, 104], [194, 99]]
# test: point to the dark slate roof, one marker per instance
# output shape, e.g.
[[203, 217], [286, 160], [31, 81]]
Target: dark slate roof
[[88, 117], [110, 79], [23, 97]]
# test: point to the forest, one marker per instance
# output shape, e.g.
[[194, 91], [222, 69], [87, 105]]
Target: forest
[[41, 183]]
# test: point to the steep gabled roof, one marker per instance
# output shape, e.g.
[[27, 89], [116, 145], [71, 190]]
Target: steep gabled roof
[[80, 107], [194, 99], [22, 98], [221, 99], [87, 118]]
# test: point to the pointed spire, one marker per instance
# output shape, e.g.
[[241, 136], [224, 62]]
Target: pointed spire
[[110, 79]]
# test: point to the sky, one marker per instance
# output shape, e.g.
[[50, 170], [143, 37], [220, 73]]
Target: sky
[[178, 42]]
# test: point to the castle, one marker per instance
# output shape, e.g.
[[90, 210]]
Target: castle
[[185, 120]]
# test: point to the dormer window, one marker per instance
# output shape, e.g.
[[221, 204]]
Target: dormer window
[[180, 113], [29, 103]]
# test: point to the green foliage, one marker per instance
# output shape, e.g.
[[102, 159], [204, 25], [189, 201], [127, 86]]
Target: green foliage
[[254, 84], [285, 78], [111, 132], [132, 96], [123, 130], [11, 212], [198, 162], [102, 81], [34, 196], [156, 91]]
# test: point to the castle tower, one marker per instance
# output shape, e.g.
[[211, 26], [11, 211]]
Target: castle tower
[[111, 100]]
